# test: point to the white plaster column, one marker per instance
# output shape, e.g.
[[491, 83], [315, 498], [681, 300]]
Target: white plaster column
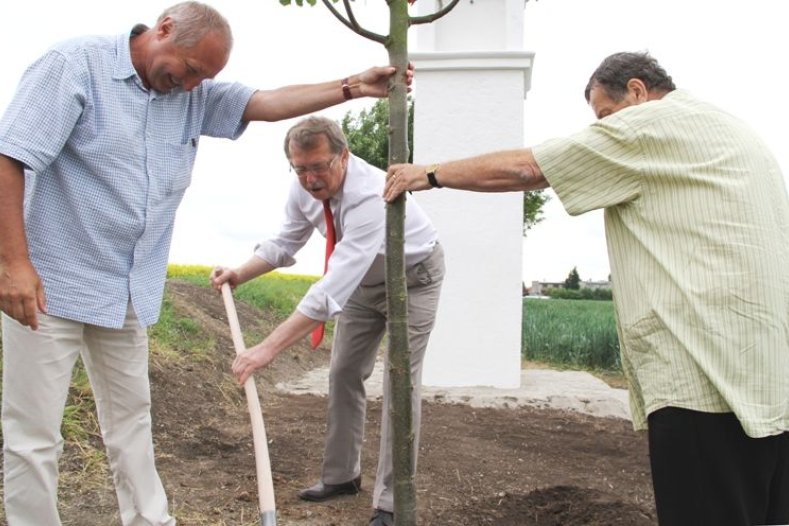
[[472, 78]]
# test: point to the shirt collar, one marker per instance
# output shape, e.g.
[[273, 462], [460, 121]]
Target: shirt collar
[[124, 68]]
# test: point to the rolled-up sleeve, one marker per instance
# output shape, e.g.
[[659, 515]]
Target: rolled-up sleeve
[[318, 303], [274, 254]]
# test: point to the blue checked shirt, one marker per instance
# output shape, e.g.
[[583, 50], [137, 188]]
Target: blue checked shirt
[[107, 163]]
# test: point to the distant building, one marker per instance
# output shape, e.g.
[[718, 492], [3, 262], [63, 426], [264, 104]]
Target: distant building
[[594, 285], [541, 288]]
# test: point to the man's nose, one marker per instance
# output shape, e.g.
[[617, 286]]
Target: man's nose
[[311, 177]]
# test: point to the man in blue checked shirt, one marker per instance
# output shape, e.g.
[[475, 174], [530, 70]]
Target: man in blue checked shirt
[[96, 151]]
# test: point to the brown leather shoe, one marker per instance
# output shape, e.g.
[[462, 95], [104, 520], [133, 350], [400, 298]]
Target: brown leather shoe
[[320, 491]]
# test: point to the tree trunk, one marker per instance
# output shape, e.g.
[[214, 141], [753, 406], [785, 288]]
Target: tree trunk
[[399, 355]]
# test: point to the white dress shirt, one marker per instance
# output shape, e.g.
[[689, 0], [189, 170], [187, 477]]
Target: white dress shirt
[[360, 222]]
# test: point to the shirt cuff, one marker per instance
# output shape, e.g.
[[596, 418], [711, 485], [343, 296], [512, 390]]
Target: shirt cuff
[[274, 255], [318, 305], [18, 153]]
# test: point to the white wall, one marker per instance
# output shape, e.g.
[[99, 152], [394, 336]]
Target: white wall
[[472, 81]]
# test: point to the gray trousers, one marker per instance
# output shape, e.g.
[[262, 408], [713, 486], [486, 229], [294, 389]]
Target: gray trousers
[[357, 338]]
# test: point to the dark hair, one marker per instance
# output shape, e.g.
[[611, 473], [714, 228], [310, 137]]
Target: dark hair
[[305, 133], [192, 21], [617, 69]]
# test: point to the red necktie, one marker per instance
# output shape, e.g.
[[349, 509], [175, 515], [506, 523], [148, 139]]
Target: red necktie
[[331, 239]]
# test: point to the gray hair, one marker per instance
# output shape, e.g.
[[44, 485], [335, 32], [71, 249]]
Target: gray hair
[[616, 70], [306, 132], [193, 21]]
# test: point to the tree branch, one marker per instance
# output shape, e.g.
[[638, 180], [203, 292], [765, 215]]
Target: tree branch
[[353, 25], [435, 16]]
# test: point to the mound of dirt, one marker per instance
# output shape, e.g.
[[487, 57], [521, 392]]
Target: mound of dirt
[[520, 466]]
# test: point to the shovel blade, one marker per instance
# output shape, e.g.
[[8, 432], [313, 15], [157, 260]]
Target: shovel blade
[[268, 518]]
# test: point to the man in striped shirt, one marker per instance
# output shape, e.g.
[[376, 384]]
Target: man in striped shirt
[[100, 138], [697, 226]]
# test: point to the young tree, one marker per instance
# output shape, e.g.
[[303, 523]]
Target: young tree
[[396, 43]]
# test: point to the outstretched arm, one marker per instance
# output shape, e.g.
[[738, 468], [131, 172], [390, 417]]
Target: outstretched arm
[[296, 100], [504, 171]]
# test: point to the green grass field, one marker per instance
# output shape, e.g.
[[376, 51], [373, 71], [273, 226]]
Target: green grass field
[[571, 333]]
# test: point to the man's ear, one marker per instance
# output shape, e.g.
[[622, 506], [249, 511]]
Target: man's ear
[[164, 29], [638, 90]]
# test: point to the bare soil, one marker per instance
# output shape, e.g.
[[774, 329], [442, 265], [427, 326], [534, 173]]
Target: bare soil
[[503, 467]]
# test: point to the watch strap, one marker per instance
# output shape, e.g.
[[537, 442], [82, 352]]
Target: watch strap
[[431, 176]]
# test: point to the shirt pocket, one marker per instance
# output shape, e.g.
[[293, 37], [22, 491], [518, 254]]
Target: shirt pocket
[[171, 166]]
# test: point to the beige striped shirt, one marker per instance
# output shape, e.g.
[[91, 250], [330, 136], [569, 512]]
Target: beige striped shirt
[[697, 225]]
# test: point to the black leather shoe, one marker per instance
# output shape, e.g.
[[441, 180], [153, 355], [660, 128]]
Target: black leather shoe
[[320, 491], [382, 518]]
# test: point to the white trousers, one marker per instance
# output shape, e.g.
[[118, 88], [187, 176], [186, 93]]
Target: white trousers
[[37, 368]]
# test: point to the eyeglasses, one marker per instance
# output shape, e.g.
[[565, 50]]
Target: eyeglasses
[[317, 168]]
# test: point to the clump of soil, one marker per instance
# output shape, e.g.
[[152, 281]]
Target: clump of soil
[[502, 467]]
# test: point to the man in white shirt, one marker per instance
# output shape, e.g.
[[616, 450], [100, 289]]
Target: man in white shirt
[[352, 288]]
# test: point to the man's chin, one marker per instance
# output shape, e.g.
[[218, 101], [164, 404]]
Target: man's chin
[[168, 89], [172, 91]]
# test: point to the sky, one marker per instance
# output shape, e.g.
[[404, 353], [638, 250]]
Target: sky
[[728, 52]]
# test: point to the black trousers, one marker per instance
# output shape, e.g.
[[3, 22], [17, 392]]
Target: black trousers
[[707, 471]]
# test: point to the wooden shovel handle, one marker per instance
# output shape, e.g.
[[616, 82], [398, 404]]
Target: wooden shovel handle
[[262, 462]]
